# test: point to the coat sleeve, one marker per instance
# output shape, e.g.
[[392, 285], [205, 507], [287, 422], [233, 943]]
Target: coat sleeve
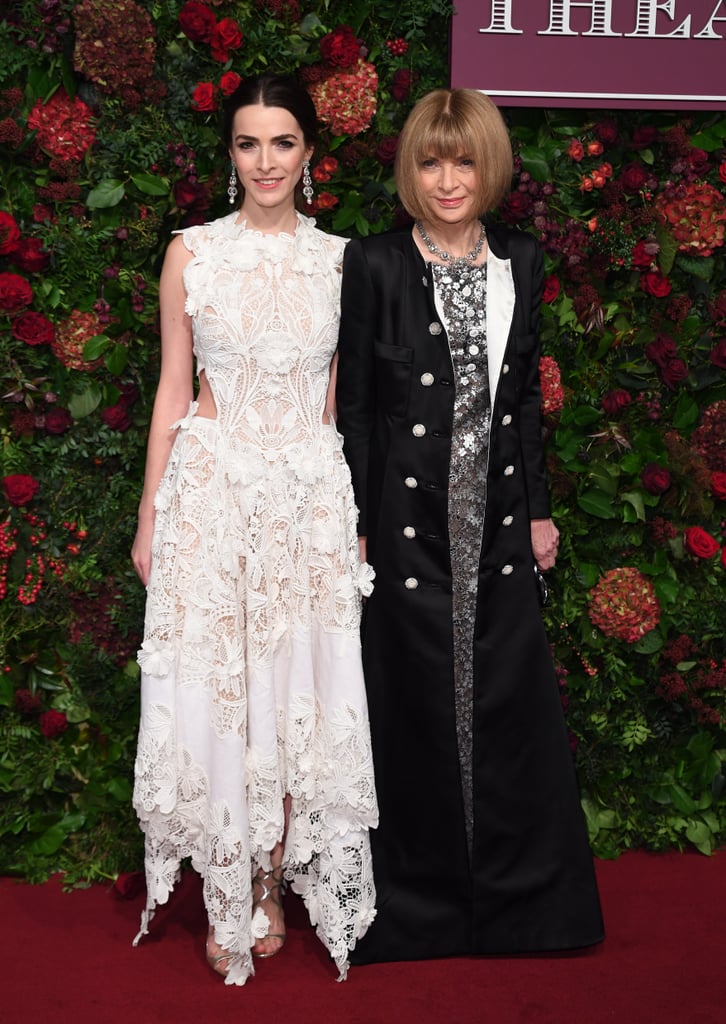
[[531, 405], [355, 392]]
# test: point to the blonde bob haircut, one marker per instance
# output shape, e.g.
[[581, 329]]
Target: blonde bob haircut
[[451, 123]]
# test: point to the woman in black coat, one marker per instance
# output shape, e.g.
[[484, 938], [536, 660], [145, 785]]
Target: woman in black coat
[[481, 846]]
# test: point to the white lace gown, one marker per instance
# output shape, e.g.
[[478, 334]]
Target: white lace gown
[[252, 685]]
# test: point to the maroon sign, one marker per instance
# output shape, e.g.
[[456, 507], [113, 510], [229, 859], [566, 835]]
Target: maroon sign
[[656, 54]]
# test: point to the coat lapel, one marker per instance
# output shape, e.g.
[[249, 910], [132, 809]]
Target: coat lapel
[[500, 310]]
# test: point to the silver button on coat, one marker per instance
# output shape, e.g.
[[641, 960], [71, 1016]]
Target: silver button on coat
[[411, 481], [507, 521], [435, 327], [506, 420], [427, 379], [418, 430], [411, 583], [408, 532], [509, 470], [505, 368], [507, 570]]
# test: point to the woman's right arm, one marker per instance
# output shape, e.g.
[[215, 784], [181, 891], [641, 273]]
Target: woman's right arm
[[173, 395]]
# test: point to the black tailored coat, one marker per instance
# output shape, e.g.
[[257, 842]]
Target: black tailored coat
[[529, 883]]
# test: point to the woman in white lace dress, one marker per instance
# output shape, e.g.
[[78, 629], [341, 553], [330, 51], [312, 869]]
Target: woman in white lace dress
[[254, 754]]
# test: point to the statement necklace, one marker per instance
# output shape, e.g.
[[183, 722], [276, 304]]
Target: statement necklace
[[471, 257]]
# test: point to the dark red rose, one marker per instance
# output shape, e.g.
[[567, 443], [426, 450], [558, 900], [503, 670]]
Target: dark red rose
[[615, 401], [53, 723], [644, 136], [33, 329], [229, 82], [551, 288], [386, 149], [673, 372], [27, 703], [57, 420], [698, 160], [15, 292], [656, 479], [402, 83], [633, 177], [718, 354], [204, 97], [197, 21], [718, 485], [20, 488], [191, 195], [129, 885], [722, 171], [700, 543], [226, 36], [117, 417], [661, 350], [654, 283], [30, 256], [517, 207], [9, 233], [340, 47], [607, 132]]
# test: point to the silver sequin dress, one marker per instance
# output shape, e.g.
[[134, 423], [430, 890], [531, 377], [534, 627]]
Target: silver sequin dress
[[461, 295]]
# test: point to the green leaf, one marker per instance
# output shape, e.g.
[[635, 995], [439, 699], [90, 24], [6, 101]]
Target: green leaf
[[95, 347], [650, 643], [597, 503], [685, 413], [699, 266], [681, 800], [701, 836], [108, 193], [84, 404], [7, 691], [150, 185], [49, 841], [117, 359], [635, 498], [668, 247], [534, 162], [120, 788]]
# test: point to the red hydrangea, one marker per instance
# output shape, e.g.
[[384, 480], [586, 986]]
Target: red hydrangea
[[115, 48], [696, 215], [709, 438], [553, 396], [71, 337], [64, 125], [623, 604], [346, 101]]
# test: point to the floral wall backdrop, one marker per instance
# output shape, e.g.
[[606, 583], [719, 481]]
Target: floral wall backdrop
[[109, 120]]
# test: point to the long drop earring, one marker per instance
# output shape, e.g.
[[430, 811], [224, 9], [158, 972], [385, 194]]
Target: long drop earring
[[307, 183], [232, 188]]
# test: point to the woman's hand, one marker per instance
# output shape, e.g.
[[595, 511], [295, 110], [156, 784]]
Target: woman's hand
[[545, 541], [141, 548]]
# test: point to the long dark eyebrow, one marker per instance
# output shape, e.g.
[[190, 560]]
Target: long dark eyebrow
[[276, 138]]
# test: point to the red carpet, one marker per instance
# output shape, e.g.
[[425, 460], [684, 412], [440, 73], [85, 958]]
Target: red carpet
[[67, 959]]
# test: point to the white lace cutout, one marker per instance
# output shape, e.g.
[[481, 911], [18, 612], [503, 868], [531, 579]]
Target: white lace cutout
[[251, 679]]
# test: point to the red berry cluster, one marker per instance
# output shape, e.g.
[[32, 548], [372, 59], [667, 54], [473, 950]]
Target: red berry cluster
[[397, 46], [8, 546]]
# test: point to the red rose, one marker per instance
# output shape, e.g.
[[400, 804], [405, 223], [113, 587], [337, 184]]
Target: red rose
[[31, 256], [204, 98], [197, 21], [551, 288], [634, 177], [517, 206], [57, 420], [700, 543], [594, 148], [53, 723], [33, 329], [722, 171], [227, 35], [718, 354], [191, 195], [656, 479], [718, 485], [673, 372], [607, 132], [698, 160], [15, 292], [9, 233], [129, 885], [20, 488], [575, 150], [654, 283], [229, 82], [614, 401], [340, 47], [644, 254], [723, 556], [644, 136], [324, 201], [386, 149], [402, 83], [117, 417], [661, 350]]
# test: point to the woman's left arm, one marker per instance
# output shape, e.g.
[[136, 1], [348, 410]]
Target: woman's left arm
[[544, 533]]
